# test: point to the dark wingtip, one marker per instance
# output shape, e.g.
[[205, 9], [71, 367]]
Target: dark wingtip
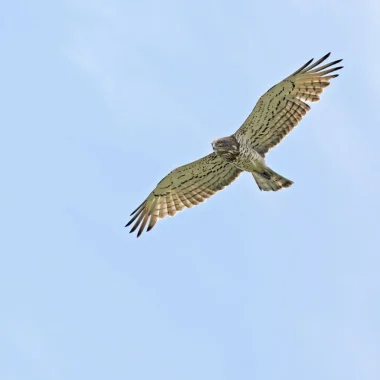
[[133, 228], [304, 66], [308, 63], [134, 211]]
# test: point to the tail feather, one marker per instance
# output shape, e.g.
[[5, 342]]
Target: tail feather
[[269, 180]]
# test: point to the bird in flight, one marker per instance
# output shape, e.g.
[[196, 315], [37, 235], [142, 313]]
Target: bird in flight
[[276, 113]]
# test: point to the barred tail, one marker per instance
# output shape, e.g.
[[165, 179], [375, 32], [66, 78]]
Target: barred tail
[[269, 180]]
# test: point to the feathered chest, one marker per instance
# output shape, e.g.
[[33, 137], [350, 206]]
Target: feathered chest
[[238, 152], [247, 158]]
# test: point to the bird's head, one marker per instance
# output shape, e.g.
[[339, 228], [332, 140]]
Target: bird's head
[[226, 147]]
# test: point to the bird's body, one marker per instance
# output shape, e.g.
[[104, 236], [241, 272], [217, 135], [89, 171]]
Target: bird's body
[[245, 158], [239, 153], [249, 160], [276, 113]]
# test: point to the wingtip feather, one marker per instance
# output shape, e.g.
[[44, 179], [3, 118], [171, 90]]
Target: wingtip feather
[[129, 223], [303, 66], [134, 211]]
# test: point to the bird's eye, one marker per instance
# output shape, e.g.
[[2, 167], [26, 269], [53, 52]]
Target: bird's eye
[[220, 143]]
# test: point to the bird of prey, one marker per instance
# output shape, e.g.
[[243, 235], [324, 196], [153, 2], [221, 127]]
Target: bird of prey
[[275, 114]]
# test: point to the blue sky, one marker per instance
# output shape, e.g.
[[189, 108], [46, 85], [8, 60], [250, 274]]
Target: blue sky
[[101, 99]]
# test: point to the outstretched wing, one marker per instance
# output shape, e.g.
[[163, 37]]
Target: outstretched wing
[[282, 107], [185, 186]]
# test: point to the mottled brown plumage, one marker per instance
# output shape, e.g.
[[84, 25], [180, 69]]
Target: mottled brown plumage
[[276, 113], [185, 186], [282, 107]]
